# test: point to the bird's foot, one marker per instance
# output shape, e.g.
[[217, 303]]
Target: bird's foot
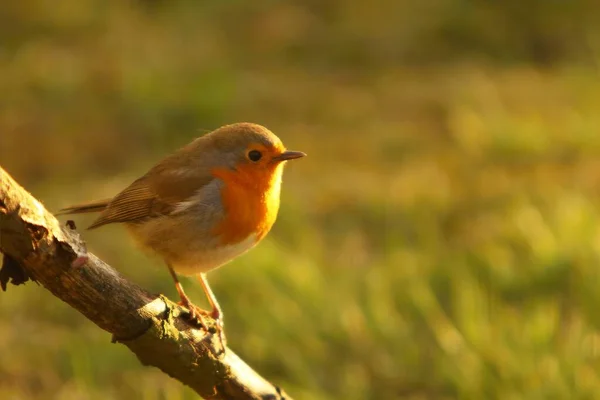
[[80, 260], [194, 315], [198, 316]]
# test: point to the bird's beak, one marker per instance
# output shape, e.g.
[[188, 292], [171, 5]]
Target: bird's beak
[[289, 155]]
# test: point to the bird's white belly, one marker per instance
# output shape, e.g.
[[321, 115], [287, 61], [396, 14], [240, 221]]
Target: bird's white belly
[[205, 259]]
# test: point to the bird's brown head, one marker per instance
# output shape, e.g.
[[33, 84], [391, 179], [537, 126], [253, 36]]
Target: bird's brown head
[[249, 146]]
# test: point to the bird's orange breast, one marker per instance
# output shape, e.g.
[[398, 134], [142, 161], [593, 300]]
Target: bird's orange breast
[[250, 199]]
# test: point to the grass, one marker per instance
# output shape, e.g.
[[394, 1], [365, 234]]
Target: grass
[[441, 240]]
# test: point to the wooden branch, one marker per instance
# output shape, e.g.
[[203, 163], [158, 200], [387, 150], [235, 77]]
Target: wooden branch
[[36, 247]]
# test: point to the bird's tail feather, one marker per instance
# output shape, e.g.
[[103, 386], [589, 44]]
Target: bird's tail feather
[[94, 206]]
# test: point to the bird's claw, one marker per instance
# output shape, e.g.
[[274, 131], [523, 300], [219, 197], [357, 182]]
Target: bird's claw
[[198, 316], [80, 260], [221, 333], [195, 315]]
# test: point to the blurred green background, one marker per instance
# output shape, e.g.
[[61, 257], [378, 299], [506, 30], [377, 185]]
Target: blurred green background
[[441, 241]]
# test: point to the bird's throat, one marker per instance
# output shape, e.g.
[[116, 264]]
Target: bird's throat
[[250, 200]]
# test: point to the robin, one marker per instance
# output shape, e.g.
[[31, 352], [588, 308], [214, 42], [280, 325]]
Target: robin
[[202, 206]]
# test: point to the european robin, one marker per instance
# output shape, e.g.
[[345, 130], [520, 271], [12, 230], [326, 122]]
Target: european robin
[[203, 205]]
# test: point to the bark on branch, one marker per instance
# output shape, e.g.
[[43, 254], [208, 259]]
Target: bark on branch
[[36, 247]]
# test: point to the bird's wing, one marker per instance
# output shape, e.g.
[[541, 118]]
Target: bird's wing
[[156, 193]]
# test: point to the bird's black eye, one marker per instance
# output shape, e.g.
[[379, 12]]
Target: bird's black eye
[[254, 155]]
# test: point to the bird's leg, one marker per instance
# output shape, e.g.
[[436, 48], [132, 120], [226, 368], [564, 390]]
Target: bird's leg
[[216, 309], [195, 313], [216, 312]]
